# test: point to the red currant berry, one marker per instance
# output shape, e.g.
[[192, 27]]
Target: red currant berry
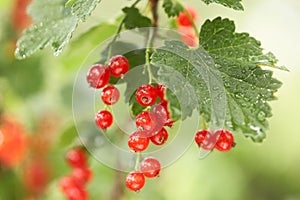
[[160, 138], [161, 89], [76, 193], [67, 182], [103, 119], [146, 95], [148, 123], [118, 65], [183, 18], [225, 140], [150, 167], [200, 137], [135, 181], [162, 113], [188, 36], [82, 174], [138, 141], [76, 158], [209, 141], [110, 95], [97, 76]]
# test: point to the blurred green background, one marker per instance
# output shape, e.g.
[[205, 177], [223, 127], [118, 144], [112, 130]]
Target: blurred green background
[[41, 86]]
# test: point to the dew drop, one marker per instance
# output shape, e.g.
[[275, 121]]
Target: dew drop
[[261, 116]]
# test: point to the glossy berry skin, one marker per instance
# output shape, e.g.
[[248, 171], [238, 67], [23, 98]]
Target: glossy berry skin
[[138, 142], [148, 123], [183, 18], [76, 158], [225, 140], [161, 90], [118, 65], [97, 76], [82, 174], [135, 181], [146, 95], [110, 95], [200, 136], [150, 167], [103, 119], [162, 113], [160, 137]]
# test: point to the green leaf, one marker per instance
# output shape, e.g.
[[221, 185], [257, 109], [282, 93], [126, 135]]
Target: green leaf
[[172, 8], [190, 74], [235, 4], [237, 58], [134, 19], [54, 25], [82, 8]]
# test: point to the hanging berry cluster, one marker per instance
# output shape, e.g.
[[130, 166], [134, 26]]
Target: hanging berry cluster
[[150, 127], [73, 185], [98, 77], [222, 140], [151, 122]]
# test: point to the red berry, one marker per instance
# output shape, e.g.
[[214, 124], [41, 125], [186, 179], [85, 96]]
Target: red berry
[[146, 95], [161, 89], [68, 182], [118, 65], [225, 140], [162, 113], [160, 138], [72, 188], [103, 119], [20, 18], [76, 158], [183, 18], [36, 175], [76, 193], [13, 142], [135, 181], [82, 174], [200, 136], [150, 167], [209, 141], [97, 76], [148, 122], [188, 36], [110, 95], [138, 141]]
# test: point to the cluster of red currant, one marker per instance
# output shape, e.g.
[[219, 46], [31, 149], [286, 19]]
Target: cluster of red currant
[[73, 185], [150, 124], [98, 77], [222, 140], [150, 127]]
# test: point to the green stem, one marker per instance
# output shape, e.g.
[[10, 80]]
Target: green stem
[[137, 161], [204, 126], [149, 50]]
